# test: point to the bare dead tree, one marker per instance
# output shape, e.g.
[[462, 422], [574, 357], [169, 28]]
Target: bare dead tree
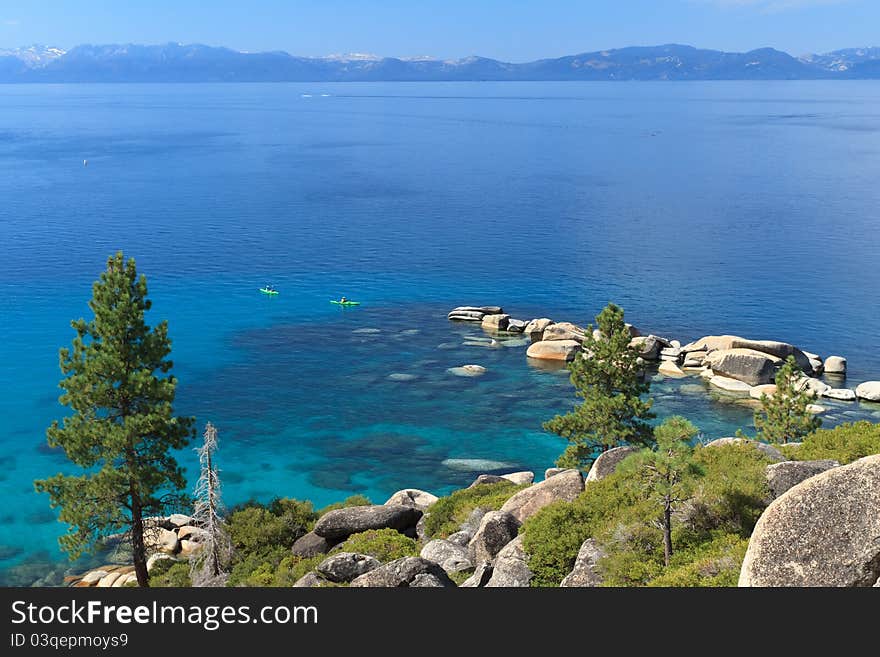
[[208, 566]]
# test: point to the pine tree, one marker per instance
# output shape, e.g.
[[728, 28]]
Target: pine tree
[[122, 429], [667, 473], [783, 416], [208, 567], [609, 379]]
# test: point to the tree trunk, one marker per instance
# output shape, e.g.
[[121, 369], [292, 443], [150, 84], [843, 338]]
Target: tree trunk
[[667, 533], [138, 549]]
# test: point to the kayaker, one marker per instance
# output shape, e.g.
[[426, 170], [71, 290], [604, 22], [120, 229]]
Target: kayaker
[[343, 300]]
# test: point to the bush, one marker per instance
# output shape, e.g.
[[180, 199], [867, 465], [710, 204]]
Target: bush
[[353, 500], [170, 573], [716, 563], [845, 443], [447, 514], [383, 544]]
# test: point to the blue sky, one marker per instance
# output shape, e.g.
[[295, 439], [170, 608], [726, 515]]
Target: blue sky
[[512, 30]]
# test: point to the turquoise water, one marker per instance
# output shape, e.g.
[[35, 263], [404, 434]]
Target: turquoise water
[[749, 208]]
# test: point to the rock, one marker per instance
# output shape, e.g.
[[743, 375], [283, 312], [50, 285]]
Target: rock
[[475, 465], [520, 478], [427, 580], [107, 580], [815, 409], [461, 538], [552, 472], [341, 523], [711, 343], [554, 350], [764, 448], [403, 572], [473, 313], [412, 497], [869, 391], [179, 520], [451, 557], [780, 350], [841, 394], [402, 376], [467, 370], [706, 374], [564, 331], [565, 486], [585, 573], [311, 545], [482, 575], [675, 344], [472, 524], [466, 316], [786, 475], [768, 389], [497, 322], [649, 346], [822, 532], [671, 353], [189, 548], [510, 567], [835, 365], [162, 540], [124, 580], [484, 479], [421, 532], [814, 386], [94, 576], [694, 359], [535, 328], [669, 368], [190, 532], [608, 461], [496, 530], [345, 566], [516, 325], [816, 366], [308, 581], [731, 386], [746, 365]]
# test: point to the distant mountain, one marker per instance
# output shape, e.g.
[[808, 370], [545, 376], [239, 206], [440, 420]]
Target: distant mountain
[[199, 63]]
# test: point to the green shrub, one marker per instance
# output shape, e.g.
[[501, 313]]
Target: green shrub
[[170, 573], [845, 443], [276, 570], [383, 544], [353, 500], [716, 563], [447, 514]]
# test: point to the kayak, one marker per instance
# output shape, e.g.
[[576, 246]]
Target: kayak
[[346, 303], [266, 291]]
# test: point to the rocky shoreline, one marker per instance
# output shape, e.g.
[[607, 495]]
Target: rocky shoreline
[[734, 366]]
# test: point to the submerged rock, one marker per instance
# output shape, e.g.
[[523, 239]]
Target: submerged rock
[[732, 386], [467, 370], [401, 376], [475, 465], [822, 532]]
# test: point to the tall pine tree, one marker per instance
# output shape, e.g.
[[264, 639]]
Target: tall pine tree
[[118, 385], [609, 379], [783, 416]]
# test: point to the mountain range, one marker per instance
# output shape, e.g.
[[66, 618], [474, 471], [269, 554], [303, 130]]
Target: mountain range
[[174, 62]]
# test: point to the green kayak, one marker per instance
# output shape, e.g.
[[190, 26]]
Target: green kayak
[[346, 303], [268, 291]]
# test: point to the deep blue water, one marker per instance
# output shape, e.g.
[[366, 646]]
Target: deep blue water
[[738, 207]]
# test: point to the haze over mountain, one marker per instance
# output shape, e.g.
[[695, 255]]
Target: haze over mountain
[[200, 63]]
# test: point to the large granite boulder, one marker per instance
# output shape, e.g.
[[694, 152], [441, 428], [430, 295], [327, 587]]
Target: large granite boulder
[[552, 472], [711, 343], [345, 566], [823, 532], [765, 449], [694, 359], [564, 331], [407, 571], [585, 572], [473, 313], [564, 350], [671, 369], [481, 576], [565, 486], [840, 394], [649, 346], [453, 558], [746, 365], [519, 478], [813, 386], [485, 479], [311, 545], [730, 386], [786, 475], [308, 581], [341, 523], [768, 389], [608, 462], [781, 350], [869, 391], [497, 322], [496, 530], [535, 328], [835, 365], [413, 497], [511, 566]]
